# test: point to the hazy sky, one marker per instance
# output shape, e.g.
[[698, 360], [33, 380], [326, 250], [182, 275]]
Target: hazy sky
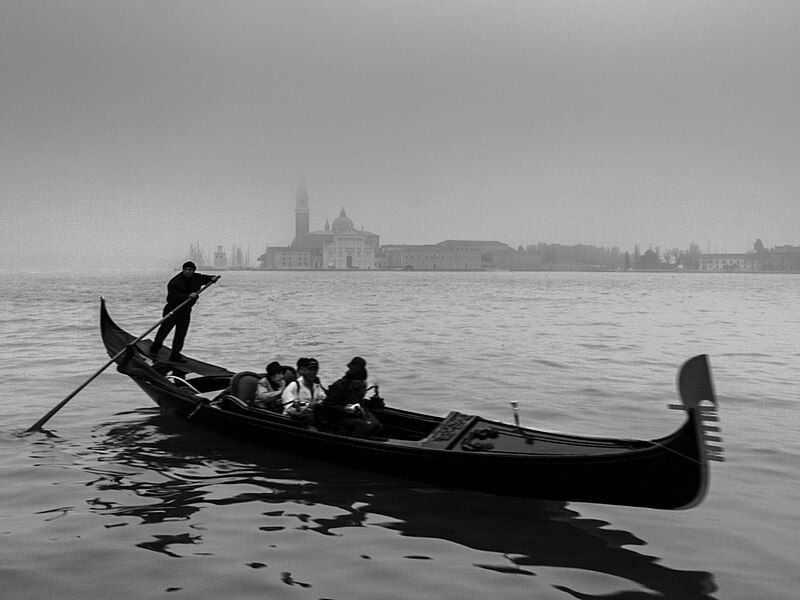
[[129, 130]]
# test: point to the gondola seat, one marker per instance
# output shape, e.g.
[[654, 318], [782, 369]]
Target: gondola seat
[[243, 386]]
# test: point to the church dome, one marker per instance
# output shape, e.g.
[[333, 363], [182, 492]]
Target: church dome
[[342, 223]]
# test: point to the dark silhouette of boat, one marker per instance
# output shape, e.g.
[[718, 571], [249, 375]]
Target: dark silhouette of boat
[[458, 451]]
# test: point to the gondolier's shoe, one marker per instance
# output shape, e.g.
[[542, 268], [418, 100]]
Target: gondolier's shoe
[[153, 352], [177, 358]]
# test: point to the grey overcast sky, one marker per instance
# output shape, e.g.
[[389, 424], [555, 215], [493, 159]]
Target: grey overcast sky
[[129, 130]]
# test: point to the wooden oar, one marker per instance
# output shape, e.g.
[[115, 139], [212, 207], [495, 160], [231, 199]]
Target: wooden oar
[[38, 425]]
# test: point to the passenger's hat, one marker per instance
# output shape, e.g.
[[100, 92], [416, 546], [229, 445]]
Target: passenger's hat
[[307, 362], [273, 368], [357, 360], [189, 265], [356, 372]]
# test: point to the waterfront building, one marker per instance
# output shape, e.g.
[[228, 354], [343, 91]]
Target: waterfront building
[[284, 257], [493, 254], [220, 259], [338, 246], [452, 255], [431, 257], [730, 262]]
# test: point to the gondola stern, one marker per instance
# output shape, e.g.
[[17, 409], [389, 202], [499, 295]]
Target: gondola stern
[[114, 338]]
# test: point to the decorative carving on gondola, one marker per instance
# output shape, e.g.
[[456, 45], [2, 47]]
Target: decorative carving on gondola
[[479, 439], [448, 433], [451, 428]]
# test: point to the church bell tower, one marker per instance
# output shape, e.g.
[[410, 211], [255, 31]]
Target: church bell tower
[[301, 211]]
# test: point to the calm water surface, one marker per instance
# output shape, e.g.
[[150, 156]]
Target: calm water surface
[[115, 501]]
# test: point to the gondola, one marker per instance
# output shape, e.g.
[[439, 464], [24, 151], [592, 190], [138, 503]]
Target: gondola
[[459, 450]]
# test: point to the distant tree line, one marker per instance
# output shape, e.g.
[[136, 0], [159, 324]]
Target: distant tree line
[[543, 256], [779, 258], [585, 257], [550, 256]]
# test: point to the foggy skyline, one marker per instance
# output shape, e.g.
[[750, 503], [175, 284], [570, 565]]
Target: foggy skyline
[[129, 131]]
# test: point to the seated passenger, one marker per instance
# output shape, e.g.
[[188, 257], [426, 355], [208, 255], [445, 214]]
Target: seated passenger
[[270, 388], [301, 396], [343, 410], [289, 374]]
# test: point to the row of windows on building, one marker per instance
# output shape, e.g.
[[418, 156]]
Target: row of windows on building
[[729, 262]]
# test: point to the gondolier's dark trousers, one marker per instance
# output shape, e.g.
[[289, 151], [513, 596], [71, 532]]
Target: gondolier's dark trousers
[[180, 321]]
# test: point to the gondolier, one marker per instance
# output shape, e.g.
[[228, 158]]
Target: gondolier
[[184, 286]]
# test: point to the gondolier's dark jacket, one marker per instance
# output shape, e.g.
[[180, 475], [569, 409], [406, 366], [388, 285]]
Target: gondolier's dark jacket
[[179, 288]]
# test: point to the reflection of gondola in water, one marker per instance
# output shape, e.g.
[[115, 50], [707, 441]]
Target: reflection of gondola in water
[[460, 451], [525, 534]]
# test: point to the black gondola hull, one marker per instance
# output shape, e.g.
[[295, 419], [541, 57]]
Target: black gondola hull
[[669, 473]]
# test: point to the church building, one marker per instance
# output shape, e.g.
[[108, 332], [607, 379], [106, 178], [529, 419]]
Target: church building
[[338, 246]]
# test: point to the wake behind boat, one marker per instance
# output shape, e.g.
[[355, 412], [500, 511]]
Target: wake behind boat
[[459, 450]]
